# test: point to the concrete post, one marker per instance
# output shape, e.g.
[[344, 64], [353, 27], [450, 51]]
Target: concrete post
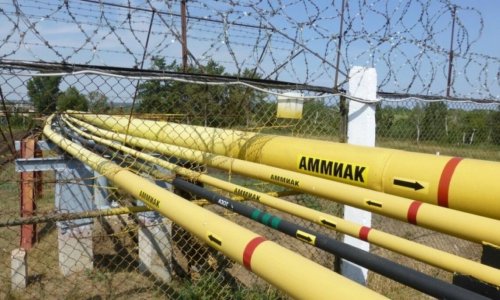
[[74, 193], [155, 242], [18, 269], [361, 131]]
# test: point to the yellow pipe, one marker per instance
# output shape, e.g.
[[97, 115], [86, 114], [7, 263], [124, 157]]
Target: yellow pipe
[[415, 250], [468, 185], [461, 224], [296, 275]]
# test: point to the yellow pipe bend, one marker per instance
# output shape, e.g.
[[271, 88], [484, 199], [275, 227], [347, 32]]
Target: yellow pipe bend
[[468, 185], [265, 258], [461, 224], [412, 249]]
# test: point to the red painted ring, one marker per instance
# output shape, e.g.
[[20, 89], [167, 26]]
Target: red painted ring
[[445, 180], [249, 250], [413, 211], [363, 233]]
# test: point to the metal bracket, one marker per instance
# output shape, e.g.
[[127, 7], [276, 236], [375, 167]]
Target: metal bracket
[[43, 145], [41, 164]]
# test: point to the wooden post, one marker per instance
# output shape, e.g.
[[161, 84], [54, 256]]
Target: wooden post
[[184, 36]]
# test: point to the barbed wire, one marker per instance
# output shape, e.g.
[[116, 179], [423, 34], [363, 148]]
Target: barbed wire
[[296, 41], [267, 47], [20, 69]]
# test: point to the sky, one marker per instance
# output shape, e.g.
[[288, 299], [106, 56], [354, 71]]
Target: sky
[[490, 40], [297, 51]]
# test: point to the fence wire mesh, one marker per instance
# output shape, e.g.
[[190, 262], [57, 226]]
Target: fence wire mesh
[[47, 49], [199, 271], [77, 257]]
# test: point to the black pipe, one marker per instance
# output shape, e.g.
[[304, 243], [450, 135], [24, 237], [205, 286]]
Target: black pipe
[[402, 274], [89, 144], [117, 156]]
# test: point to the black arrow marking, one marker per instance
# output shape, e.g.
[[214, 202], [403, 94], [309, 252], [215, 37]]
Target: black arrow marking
[[214, 239], [304, 238], [373, 203], [327, 223], [409, 184]]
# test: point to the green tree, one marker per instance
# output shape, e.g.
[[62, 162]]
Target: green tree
[[318, 119], [434, 123], [98, 102], [72, 99], [416, 116], [153, 95], [477, 126], [240, 103], [456, 125], [43, 92], [495, 127], [384, 120], [398, 123], [203, 104]]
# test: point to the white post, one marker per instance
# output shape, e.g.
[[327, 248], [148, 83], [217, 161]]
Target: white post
[[74, 193], [155, 241], [360, 131], [18, 269]]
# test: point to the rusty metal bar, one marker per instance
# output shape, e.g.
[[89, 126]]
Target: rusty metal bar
[[24, 221], [28, 194]]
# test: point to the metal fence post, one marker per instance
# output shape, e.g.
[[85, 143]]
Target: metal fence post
[[101, 194]]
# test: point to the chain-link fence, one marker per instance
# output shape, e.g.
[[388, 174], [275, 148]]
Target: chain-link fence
[[121, 255], [117, 245], [231, 67]]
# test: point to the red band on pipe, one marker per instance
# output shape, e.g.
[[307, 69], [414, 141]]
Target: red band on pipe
[[444, 182], [363, 233], [249, 249], [412, 212]]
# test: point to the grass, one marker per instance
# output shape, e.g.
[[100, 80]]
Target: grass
[[10, 236], [106, 280], [209, 287], [481, 151]]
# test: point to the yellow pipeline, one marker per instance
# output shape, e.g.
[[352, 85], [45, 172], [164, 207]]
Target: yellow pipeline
[[298, 276], [461, 224], [464, 184], [415, 250]]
